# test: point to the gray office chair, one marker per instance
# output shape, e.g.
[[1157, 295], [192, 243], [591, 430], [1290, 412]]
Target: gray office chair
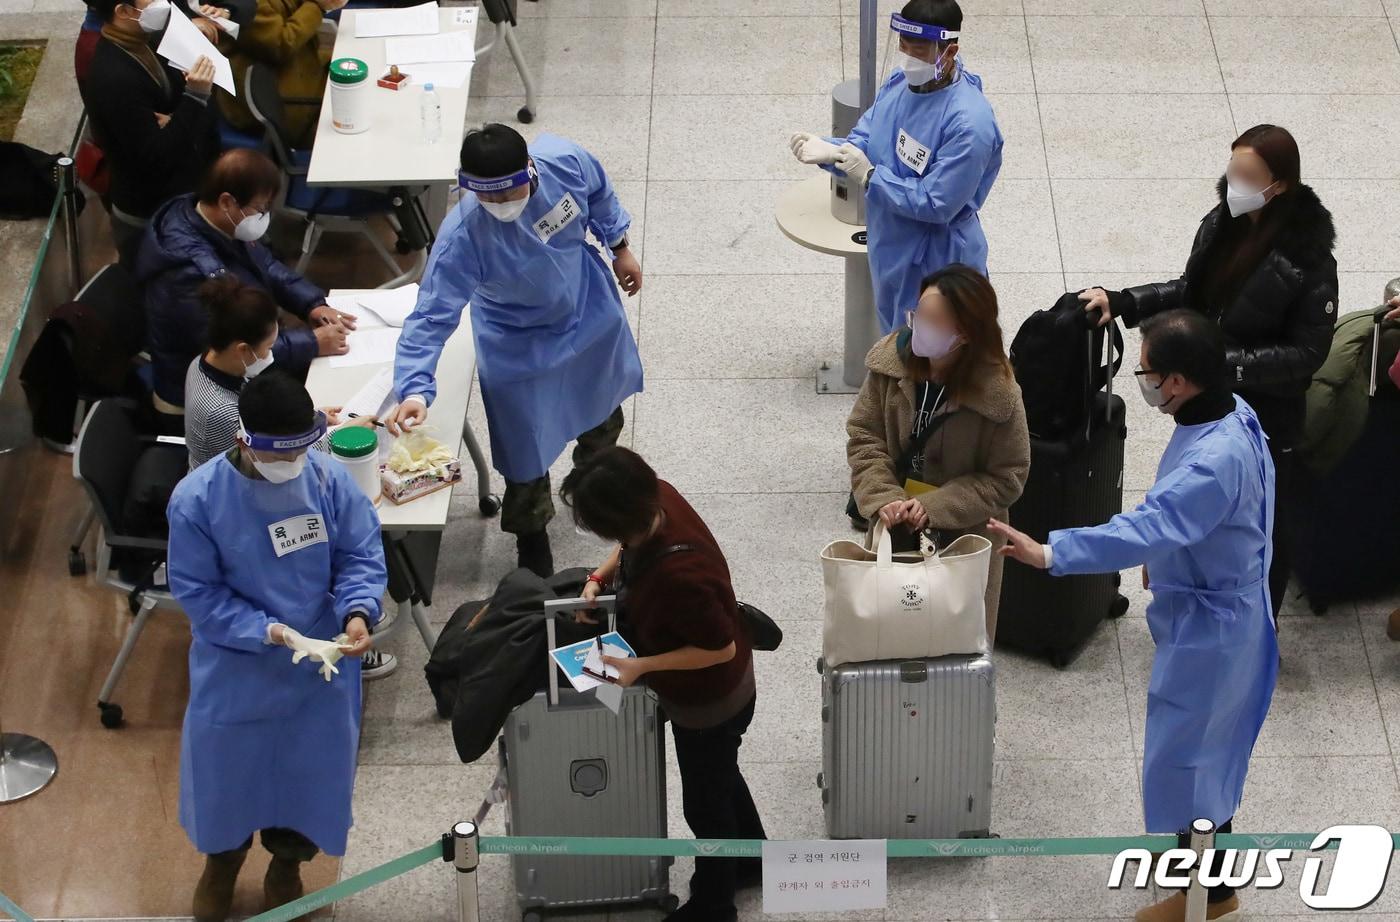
[[331, 208], [128, 477]]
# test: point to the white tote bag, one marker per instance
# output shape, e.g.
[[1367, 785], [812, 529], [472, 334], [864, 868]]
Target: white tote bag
[[881, 605]]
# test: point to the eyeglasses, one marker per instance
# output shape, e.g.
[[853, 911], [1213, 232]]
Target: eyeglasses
[[1144, 371]]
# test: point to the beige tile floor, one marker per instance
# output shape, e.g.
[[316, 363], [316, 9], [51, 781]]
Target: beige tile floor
[[1118, 117]]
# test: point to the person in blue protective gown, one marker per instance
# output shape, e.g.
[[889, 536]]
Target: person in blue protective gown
[[555, 356], [927, 153], [1202, 536], [275, 556]]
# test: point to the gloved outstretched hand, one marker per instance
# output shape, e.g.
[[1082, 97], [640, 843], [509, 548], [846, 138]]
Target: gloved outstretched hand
[[809, 148], [852, 161], [325, 652]]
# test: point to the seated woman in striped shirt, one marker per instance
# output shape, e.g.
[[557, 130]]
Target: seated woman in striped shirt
[[242, 329]]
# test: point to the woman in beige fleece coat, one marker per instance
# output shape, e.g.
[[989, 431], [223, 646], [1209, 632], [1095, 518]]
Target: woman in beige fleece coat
[[970, 450]]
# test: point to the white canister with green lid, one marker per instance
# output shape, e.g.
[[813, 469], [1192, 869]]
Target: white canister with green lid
[[349, 95]]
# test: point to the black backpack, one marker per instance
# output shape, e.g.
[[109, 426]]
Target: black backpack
[[30, 184], [1058, 357]]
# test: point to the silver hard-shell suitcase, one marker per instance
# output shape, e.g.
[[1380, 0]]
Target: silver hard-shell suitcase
[[573, 768], [907, 748]]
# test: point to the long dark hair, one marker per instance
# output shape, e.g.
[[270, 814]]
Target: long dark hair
[[1242, 243], [974, 305]]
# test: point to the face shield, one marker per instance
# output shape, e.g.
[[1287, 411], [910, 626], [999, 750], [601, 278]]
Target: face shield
[[496, 194], [917, 49], [280, 458]]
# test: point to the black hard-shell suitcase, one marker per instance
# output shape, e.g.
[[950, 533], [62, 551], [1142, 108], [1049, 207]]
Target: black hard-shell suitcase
[[1348, 538], [1071, 485]]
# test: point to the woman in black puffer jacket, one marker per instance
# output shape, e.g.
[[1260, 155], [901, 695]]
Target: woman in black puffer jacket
[[1262, 267]]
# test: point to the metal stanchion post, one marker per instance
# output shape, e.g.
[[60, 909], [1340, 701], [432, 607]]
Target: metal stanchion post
[[68, 188], [465, 858], [1202, 838], [27, 764]]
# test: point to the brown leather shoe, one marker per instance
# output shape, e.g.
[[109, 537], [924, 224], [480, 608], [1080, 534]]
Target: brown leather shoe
[[282, 883], [213, 895], [1392, 627], [1173, 909]]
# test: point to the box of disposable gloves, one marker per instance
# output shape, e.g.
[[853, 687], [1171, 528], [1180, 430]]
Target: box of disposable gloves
[[418, 464]]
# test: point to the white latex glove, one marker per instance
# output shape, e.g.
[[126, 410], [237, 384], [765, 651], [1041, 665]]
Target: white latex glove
[[808, 148], [325, 652], [852, 161]]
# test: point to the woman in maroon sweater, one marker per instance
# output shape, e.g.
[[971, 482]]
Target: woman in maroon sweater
[[679, 613]]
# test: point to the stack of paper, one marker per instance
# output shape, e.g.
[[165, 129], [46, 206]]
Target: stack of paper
[[441, 75], [415, 20], [375, 397], [430, 49], [183, 45]]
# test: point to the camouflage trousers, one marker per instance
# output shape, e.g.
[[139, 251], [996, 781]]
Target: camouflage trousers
[[527, 507]]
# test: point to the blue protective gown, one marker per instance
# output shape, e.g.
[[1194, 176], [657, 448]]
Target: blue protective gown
[[267, 743], [922, 217], [1203, 532], [555, 356]]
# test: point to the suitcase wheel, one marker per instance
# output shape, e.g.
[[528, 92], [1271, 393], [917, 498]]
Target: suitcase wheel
[[1119, 608], [532, 915]]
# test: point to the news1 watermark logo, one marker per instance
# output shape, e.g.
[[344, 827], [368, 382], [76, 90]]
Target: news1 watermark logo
[[1357, 879]]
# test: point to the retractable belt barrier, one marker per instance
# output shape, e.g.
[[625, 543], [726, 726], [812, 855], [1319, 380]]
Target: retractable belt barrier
[[443, 850]]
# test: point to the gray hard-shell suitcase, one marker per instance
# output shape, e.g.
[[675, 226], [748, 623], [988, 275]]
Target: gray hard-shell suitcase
[[573, 768], [907, 748]]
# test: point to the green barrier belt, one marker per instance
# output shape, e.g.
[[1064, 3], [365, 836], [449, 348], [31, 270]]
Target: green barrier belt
[[7, 906], [746, 848], [352, 885]]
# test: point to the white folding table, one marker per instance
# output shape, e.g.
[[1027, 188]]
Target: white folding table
[[334, 386], [391, 154]]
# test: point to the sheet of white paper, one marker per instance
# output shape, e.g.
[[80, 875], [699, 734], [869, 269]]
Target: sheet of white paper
[[374, 396], [183, 45], [349, 304], [371, 346], [451, 75], [609, 696], [414, 20], [824, 876], [430, 49], [464, 15], [227, 25], [389, 308]]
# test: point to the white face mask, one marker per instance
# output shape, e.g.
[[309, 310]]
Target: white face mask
[[917, 71], [251, 227], [506, 211], [257, 366], [1152, 393], [155, 16], [280, 471], [1241, 202]]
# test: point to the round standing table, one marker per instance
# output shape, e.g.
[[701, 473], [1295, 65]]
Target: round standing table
[[804, 216]]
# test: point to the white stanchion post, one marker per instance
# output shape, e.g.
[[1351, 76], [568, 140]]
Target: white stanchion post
[[1202, 838], [466, 855]]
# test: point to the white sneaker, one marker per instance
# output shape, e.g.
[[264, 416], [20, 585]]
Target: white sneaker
[[376, 664]]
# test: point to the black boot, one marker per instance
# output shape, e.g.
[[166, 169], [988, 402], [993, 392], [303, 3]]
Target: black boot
[[532, 552]]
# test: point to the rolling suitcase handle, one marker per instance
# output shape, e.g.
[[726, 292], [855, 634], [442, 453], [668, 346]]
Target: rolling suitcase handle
[[1111, 337], [1377, 318], [556, 607]]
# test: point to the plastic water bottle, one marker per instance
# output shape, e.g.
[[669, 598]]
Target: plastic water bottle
[[431, 110]]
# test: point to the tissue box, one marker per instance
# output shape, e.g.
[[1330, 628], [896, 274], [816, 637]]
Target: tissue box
[[403, 488]]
